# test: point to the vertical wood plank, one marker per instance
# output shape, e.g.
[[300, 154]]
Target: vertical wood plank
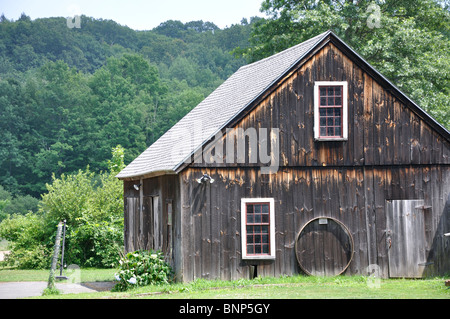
[[368, 120]]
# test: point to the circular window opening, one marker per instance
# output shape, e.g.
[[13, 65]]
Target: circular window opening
[[324, 247]]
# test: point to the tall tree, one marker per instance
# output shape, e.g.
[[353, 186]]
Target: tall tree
[[127, 94]]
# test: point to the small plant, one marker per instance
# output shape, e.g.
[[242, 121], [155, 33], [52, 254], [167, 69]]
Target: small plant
[[51, 291], [142, 268]]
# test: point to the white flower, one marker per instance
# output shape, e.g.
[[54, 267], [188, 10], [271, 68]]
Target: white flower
[[117, 277], [132, 280]]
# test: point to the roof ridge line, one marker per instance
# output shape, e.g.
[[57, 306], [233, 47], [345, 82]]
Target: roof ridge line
[[285, 50]]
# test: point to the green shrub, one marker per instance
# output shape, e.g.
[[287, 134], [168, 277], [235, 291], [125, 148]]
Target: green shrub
[[27, 241], [91, 204], [96, 244], [142, 268], [36, 257]]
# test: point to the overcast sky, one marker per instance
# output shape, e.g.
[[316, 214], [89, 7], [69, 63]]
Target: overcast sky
[[137, 14]]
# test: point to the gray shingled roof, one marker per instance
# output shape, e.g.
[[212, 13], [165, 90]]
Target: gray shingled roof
[[213, 113]]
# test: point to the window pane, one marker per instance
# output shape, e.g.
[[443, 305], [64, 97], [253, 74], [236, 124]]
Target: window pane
[[323, 131], [250, 249], [323, 101], [257, 219], [265, 249], [330, 111], [330, 131], [338, 101], [249, 209], [338, 131], [264, 229], [249, 239], [250, 219], [337, 112], [265, 218], [257, 209], [337, 121], [337, 91], [323, 91], [323, 121], [323, 112], [330, 121], [256, 229], [250, 229], [265, 209], [331, 101], [331, 90], [265, 239], [258, 239], [257, 249]]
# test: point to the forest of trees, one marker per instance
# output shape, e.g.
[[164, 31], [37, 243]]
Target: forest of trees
[[68, 95], [77, 104]]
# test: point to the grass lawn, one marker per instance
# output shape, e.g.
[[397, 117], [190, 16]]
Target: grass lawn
[[87, 275], [296, 287]]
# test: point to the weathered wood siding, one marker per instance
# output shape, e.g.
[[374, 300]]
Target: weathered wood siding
[[211, 216], [151, 227]]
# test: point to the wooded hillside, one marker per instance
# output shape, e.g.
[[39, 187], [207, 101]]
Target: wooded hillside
[[69, 95]]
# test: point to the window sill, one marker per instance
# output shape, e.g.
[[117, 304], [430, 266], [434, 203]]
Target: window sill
[[258, 257], [330, 139]]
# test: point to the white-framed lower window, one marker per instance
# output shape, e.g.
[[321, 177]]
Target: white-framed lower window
[[258, 228], [331, 111]]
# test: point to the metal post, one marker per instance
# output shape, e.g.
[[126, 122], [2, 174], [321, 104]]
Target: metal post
[[51, 279], [61, 267], [62, 250]]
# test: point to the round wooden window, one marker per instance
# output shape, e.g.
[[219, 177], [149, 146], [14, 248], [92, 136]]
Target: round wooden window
[[324, 247]]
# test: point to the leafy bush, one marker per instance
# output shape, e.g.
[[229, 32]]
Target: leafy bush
[[91, 204], [27, 241], [96, 244], [35, 257], [142, 268]]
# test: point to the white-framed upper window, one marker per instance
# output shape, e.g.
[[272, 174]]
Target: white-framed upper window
[[330, 111], [258, 228]]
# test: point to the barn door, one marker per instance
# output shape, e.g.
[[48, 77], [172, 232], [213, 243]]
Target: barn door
[[405, 238], [132, 218], [154, 223], [157, 224]]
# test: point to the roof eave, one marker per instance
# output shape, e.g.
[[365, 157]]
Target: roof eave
[[151, 174]]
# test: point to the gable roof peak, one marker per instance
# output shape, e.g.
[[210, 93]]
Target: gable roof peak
[[172, 151]]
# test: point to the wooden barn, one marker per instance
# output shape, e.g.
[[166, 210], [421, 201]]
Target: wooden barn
[[308, 161]]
